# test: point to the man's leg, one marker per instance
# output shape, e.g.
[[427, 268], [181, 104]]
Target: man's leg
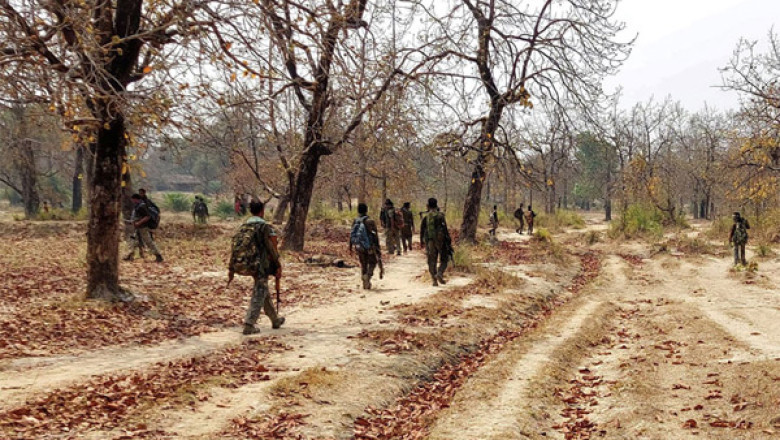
[[432, 254], [398, 242], [134, 243], [363, 258], [389, 243], [742, 254], [270, 312], [148, 241], [442, 266], [259, 295], [736, 254]]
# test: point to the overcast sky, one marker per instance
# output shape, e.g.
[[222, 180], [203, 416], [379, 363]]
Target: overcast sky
[[682, 43]]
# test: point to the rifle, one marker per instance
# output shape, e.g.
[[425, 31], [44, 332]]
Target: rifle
[[379, 263], [278, 292]]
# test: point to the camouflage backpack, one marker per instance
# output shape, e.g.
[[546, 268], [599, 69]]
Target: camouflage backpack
[[435, 229], [740, 233], [248, 255]]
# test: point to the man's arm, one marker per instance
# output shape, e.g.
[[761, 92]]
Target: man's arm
[[423, 228], [272, 244]]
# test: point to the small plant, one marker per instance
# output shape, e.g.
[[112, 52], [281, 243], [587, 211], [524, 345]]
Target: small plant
[[177, 202], [225, 209], [764, 250], [560, 219], [638, 221], [592, 237], [462, 259], [543, 235]]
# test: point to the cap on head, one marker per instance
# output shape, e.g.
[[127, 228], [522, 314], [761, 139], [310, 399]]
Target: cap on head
[[433, 203], [136, 197], [407, 205], [389, 202], [737, 214], [362, 208]]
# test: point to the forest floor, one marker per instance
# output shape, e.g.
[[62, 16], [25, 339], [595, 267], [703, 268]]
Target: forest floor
[[582, 337]]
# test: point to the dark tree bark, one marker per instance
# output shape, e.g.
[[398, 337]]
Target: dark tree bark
[[104, 224]]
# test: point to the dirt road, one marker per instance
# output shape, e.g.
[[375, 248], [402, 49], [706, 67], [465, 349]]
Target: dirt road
[[657, 346]]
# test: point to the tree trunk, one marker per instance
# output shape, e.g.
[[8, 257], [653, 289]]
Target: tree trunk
[[105, 206], [468, 229], [281, 209], [29, 176], [78, 178], [295, 229]]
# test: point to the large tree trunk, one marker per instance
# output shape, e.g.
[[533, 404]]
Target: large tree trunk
[[105, 206], [295, 229], [78, 178], [468, 229]]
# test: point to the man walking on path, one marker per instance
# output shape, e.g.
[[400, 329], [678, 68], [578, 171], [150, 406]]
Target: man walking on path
[[267, 263], [141, 219], [407, 232], [529, 219], [364, 238], [392, 221], [519, 217], [494, 221], [435, 239], [738, 237]]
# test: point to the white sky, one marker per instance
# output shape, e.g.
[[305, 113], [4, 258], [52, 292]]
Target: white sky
[[682, 43]]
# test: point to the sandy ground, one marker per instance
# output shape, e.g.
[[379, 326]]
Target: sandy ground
[[670, 347]]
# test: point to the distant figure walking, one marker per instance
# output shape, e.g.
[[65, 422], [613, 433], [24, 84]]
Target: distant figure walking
[[143, 220], [393, 222], [738, 237], [518, 214], [364, 239], [494, 221], [529, 219], [435, 239], [200, 211], [254, 253], [407, 232]]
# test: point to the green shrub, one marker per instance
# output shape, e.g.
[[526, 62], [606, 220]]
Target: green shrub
[[560, 219], [462, 259], [764, 250], [57, 214], [638, 221], [177, 202], [324, 212], [542, 234], [225, 209], [592, 237]]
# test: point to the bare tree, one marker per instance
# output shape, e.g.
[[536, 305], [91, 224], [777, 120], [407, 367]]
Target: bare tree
[[513, 51], [86, 56]]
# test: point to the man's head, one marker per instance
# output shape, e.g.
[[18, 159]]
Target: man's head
[[737, 216], [389, 203], [142, 193], [407, 205], [257, 208], [362, 209], [433, 203], [529, 207], [136, 198], [495, 207]]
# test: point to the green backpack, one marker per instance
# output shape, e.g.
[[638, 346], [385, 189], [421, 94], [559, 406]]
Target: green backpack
[[435, 230], [740, 233], [248, 256]]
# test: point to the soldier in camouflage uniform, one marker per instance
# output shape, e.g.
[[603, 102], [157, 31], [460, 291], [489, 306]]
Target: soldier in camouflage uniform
[[392, 229], [369, 258], [738, 237], [261, 295], [143, 235], [407, 232], [435, 238]]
